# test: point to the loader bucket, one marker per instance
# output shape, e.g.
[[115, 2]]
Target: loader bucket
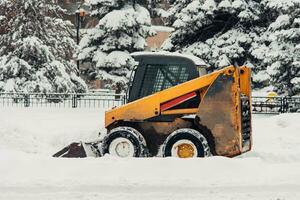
[[219, 112], [74, 150]]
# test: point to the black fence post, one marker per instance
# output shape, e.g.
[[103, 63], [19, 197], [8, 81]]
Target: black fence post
[[288, 104], [285, 104], [281, 105], [74, 101], [124, 99], [26, 100]]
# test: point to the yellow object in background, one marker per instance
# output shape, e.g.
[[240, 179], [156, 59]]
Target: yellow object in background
[[271, 96]]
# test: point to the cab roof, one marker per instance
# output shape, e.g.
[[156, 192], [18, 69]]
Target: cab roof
[[197, 61]]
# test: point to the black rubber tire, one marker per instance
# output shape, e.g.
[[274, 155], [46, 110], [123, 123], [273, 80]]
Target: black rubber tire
[[192, 135], [139, 144]]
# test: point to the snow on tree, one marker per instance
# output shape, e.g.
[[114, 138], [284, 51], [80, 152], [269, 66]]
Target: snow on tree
[[218, 31], [262, 33], [36, 49], [122, 28], [278, 48]]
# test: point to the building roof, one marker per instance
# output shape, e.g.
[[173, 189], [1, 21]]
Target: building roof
[[163, 29]]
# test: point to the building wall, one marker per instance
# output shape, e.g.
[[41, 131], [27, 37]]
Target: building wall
[[154, 43]]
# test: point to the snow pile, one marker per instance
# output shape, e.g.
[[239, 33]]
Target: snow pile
[[44, 131], [30, 136], [276, 139]]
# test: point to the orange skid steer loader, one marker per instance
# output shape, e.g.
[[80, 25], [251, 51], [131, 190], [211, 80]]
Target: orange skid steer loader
[[175, 109]]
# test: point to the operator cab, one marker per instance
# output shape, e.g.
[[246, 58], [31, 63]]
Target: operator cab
[[158, 71]]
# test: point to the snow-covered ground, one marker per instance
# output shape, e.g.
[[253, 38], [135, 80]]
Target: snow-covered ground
[[29, 136]]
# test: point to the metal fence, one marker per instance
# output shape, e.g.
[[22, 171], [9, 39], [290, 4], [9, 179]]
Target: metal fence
[[65, 100], [270, 105], [264, 105]]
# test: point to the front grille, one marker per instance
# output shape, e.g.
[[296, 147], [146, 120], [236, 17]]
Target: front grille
[[246, 120]]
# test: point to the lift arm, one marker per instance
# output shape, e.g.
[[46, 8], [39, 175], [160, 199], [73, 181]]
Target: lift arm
[[156, 104]]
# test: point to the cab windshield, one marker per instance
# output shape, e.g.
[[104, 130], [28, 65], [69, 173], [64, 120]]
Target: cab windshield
[[156, 73], [158, 77]]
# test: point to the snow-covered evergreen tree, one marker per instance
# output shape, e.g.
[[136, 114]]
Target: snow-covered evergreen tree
[[218, 31], [278, 49], [36, 49], [263, 33], [123, 28]]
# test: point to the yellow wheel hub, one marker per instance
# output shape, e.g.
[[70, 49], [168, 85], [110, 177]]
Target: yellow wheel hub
[[185, 151]]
